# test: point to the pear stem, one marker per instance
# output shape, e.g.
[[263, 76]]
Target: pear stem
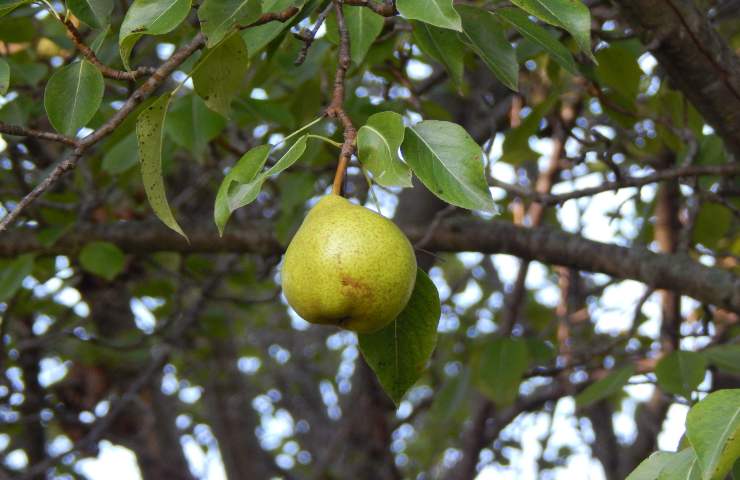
[[336, 107]]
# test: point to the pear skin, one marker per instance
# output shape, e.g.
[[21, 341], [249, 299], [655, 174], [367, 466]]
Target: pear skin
[[348, 266]]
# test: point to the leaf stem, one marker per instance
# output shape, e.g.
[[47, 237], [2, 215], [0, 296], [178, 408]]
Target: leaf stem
[[300, 130], [327, 140]]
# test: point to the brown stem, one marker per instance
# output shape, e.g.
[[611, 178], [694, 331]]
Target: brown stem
[[30, 132], [336, 107], [88, 53]]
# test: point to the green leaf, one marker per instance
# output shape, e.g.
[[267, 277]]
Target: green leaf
[[219, 17], [724, 357], [651, 467], [681, 466], [439, 13], [95, 13], [619, 70], [247, 193], [17, 29], [712, 223], [73, 95], [258, 37], [502, 364], [7, 6], [398, 354], [103, 259], [605, 387], [736, 470], [378, 142], [449, 162], [243, 172], [149, 17], [713, 429], [219, 75], [487, 37], [192, 125], [121, 157], [443, 46], [680, 372], [571, 15], [12, 275], [530, 30], [4, 77], [363, 25], [150, 135]]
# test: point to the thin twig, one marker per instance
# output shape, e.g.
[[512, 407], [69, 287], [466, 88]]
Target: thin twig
[[387, 9], [308, 38], [43, 135], [90, 55], [729, 169]]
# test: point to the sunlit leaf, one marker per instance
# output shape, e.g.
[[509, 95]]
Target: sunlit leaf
[[149, 17], [449, 162], [713, 429], [73, 95], [248, 166], [378, 142], [528, 29], [439, 13], [571, 15]]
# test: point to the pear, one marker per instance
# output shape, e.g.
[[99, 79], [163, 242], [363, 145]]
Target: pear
[[348, 266]]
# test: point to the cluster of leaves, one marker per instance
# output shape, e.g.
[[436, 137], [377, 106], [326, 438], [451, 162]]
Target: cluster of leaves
[[710, 447], [396, 139]]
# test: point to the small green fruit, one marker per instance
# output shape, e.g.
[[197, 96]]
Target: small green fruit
[[348, 266]]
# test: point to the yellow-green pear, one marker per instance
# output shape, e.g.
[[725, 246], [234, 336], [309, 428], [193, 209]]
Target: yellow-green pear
[[348, 266]]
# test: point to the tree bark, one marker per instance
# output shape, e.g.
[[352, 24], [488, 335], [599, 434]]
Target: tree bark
[[674, 272], [697, 59]]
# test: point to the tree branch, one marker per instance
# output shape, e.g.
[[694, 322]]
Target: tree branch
[[729, 169], [88, 53], [676, 272], [387, 9], [697, 59], [19, 131], [145, 90]]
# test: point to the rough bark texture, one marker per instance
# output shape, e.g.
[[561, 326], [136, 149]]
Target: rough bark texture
[[697, 59], [669, 271]]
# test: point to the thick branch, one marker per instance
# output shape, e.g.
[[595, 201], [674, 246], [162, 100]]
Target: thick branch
[[697, 59], [674, 272]]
